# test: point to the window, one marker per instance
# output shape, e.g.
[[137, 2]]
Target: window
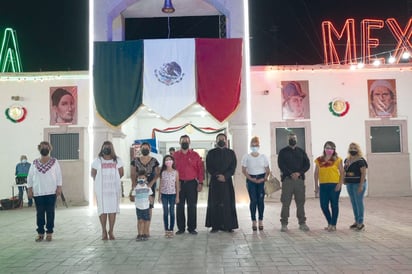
[[65, 146], [385, 139], [282, 137]]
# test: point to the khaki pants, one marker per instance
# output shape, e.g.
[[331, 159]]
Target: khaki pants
[[292, 188]]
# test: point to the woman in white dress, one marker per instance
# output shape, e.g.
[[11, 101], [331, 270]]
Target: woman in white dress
[[107, 169]]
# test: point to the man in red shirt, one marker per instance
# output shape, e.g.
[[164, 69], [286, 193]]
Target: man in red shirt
[[190, 167]]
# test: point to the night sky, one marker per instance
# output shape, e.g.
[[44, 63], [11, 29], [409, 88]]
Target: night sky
[[53, 35]]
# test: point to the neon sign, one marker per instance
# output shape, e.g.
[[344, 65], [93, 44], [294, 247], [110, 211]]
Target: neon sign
[[368, 42], [9, 52]]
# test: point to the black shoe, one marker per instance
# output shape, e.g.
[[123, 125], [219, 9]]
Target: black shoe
[[180, 232], [230, 230], [355, 225], [193, 232], [360, 227], [214, 230]]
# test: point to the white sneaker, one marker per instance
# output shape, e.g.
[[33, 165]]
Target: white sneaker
[[304, 227]]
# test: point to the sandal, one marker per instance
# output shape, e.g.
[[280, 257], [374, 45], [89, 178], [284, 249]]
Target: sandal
[[111, 236], [39, 238], [49, 237]]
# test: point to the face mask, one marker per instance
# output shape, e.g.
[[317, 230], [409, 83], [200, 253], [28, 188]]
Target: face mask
[[44, 151], [145, 152], [353, 152], [254, 149], [24, 161], [329, 151], [107, 151], [221, 143], [184, 145], [168, 163], [292, 142], [141, 181]]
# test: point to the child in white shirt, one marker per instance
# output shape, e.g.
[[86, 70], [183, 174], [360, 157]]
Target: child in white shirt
[[141, 196]]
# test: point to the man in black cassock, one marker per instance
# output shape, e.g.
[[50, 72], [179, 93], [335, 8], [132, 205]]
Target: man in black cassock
[[221, 202]]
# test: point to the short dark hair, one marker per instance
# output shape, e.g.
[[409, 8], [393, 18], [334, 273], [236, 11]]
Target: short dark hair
[[141, 172], [184, 136], [58, 94]]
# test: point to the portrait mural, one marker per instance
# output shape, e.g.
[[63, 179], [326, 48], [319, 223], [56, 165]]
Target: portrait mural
[[295, 99], [382, 98], [63, 105]]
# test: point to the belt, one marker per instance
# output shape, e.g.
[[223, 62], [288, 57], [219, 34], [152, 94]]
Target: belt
[[187, 181]]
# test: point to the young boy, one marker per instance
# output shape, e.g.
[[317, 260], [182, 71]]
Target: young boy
[[142, 201]]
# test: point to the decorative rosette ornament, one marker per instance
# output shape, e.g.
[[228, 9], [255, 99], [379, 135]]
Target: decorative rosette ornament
[[16, 114], [339, 107]]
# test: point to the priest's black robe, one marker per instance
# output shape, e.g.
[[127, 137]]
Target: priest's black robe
[[221, 202]]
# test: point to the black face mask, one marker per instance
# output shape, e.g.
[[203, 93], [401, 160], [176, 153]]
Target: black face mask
[[145, 152], [221, 143], [107, 151], [292, 142], [184, 145], [353, 152], [44, 151]]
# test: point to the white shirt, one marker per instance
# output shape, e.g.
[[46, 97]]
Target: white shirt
[[255, 165], [44, 178]]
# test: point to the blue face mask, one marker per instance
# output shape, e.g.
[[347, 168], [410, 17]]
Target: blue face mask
[[254, 149], [24, 161]]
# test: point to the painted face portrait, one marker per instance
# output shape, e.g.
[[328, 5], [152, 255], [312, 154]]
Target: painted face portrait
[[382, 99], [294, 105], [63, 107]]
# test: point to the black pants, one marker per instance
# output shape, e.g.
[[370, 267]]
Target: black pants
[[187, 194], [45, 208]]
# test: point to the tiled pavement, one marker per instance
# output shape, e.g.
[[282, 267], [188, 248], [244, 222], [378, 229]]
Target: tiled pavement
[[384, 247]]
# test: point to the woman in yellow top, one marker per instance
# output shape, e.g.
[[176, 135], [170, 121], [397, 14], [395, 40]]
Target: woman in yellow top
[[329, 176]]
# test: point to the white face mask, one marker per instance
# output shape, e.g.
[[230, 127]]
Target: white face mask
[[24, 161], [254, 149]]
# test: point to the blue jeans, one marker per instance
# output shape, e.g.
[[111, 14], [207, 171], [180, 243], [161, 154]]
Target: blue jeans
[[45, 208], [21, 189], [256, 196], [168, 201], [328, 195], [356, 200]]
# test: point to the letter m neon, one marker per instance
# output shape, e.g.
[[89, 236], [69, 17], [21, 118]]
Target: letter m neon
[[329, 47], [9, 52]]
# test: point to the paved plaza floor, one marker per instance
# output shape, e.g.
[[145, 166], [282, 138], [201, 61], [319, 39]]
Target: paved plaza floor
[[384, 247]]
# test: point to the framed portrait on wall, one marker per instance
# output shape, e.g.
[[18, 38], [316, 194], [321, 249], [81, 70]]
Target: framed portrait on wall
[[63, 105], [382, 98], [295, 100]]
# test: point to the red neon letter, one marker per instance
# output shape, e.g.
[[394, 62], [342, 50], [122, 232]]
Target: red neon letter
[[402, 37], [329, 48], [367, 41]]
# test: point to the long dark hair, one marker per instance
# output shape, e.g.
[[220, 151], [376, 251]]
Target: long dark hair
[[164, 167], [113, 155], [333, 146]]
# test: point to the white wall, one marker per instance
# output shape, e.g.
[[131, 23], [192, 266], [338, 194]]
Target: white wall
[[325, 84], [23, 138]]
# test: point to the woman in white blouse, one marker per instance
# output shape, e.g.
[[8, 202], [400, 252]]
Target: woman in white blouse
[[255, 167]]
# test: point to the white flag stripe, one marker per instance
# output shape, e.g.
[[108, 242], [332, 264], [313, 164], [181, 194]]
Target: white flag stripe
[[169, 83]]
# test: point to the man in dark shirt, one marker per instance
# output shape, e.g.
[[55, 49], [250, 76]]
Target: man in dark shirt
[[293, 162]]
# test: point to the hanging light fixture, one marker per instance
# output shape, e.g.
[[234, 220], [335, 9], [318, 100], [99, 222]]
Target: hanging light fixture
[[168, 7]]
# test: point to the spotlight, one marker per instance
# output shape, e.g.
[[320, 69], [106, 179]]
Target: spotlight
[[391, 59]]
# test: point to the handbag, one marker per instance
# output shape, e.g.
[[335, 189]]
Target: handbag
[[272, 184]]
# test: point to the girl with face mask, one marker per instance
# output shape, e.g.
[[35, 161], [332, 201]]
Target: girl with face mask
[[169, 188], [328, 177], [356, 184], [106, 171]]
